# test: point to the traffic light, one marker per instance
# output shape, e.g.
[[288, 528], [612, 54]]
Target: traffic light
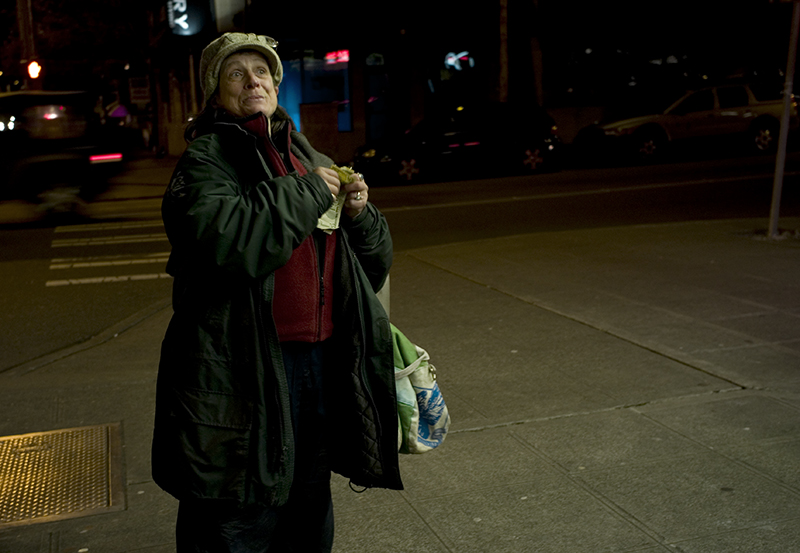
[[34, 69]]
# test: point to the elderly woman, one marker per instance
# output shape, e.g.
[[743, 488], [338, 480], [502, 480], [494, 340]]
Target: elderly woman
[[276, 367]]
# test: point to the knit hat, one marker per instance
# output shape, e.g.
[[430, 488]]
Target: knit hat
[[229, 43]]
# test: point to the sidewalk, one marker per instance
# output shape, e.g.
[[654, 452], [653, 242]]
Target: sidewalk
[[631, 389]]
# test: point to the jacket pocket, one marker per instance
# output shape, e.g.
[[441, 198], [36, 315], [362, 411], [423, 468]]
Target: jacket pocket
[[201, 448], [210, 408]]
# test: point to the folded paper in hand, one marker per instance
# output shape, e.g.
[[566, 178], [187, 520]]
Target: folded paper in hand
[[330, 219]]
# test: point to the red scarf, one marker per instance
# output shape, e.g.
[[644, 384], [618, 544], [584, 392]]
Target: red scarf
[[303, 302]]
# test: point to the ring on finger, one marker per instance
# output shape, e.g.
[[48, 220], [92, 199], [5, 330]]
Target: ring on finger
[[358, 195], [359, 176]]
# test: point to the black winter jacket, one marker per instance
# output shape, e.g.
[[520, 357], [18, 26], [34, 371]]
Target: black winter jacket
[[222, 427]]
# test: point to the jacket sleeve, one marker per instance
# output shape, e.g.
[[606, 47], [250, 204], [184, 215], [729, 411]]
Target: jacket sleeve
[[368, 233], [213, 220], [371, 241]]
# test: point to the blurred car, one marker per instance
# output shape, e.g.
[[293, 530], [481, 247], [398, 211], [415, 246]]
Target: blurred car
[[465, 142], [55, 151], [713, 117]]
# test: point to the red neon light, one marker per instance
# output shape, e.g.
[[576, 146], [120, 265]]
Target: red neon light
[[472, 143], [338, 56], [105, 158]]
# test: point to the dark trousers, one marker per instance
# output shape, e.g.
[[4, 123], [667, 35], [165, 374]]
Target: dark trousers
[[305, 523]]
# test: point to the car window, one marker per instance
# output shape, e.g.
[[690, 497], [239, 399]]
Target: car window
[[699, 101], [765, 92], [732, 97]]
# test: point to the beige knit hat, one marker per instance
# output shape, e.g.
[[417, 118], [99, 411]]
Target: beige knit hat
[[216, 52]]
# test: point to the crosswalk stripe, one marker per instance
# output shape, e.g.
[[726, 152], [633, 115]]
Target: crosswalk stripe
[[104, 241], [105, 279], [110, 226], [116, 260], [107, 261]]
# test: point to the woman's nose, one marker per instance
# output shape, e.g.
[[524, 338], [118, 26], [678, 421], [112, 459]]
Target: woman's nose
[[252, 81]]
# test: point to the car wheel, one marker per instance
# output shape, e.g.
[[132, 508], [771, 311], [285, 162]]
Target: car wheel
[[649, 144], [410, 170], [532, 160], [765, 135]]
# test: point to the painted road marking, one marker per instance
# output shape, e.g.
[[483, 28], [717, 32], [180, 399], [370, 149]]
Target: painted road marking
[[109, 240], [108, 261], [100, 261], [106, 279], [111, 226], [468, 203]]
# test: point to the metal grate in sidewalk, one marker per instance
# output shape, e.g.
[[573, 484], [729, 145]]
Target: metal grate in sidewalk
[[67, 473]]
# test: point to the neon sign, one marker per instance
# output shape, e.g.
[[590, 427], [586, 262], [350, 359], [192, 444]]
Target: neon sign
[[339, 56], [455, 60], [187, 17]]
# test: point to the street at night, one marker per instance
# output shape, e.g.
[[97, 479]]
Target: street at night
[[79, 279], [585, 238], [596, 332]]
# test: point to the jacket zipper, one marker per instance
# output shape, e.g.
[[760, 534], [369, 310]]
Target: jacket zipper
[[320, 321], [320, 255]]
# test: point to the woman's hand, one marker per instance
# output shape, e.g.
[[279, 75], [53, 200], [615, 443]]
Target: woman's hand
[[357, 194], [330, 177]]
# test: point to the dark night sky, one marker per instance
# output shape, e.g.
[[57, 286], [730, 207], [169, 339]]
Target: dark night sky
[[719, 37]]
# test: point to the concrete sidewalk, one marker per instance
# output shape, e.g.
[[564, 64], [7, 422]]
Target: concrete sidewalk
[[612, 390]]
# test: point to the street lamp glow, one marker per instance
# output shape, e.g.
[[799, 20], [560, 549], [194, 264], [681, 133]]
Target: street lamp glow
[[34, 69]]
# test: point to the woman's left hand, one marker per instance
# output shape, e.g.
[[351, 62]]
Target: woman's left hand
[[357, 194]]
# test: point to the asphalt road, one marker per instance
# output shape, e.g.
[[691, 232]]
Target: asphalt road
[[426, 215], [62, 285]]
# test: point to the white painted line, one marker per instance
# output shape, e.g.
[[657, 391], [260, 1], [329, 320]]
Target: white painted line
[[107, 257], [468, 203], [107, 261], [106, 279], [111, 226], [129, 239], [118, 263]]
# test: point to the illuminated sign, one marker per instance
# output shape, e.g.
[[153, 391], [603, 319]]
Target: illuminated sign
[[105, 158], [455, 61], [34, 69], [339, 56], [188, 17]]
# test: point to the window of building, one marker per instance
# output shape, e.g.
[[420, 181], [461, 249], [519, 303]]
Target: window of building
[[316, 80]]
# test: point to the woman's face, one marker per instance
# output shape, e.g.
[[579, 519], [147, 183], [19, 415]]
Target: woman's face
[[245, 85]]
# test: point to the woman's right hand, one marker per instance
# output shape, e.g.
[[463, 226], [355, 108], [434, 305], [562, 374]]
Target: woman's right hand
[[330, 177]]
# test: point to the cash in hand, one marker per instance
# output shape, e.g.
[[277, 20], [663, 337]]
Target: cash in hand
[[330, 219]]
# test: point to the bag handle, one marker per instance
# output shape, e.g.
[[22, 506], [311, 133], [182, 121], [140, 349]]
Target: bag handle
[[423, 356]]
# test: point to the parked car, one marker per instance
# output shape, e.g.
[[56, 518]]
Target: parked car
[[718, 116], [465, 142], [55, 151]]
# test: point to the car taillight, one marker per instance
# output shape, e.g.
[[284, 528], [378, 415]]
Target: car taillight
[[105, 158]]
